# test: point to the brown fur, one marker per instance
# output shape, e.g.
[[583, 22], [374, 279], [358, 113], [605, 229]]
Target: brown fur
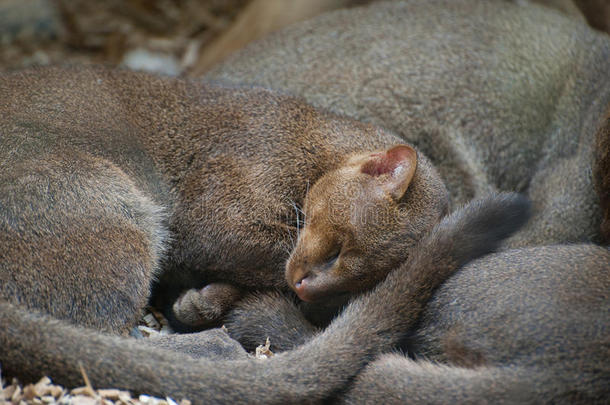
[[500, 151], [567, 7], [258, 18], [499, 96], [34, 345], [188, 182], [521, 312], [198, 308], [520, 326], [358, 218]]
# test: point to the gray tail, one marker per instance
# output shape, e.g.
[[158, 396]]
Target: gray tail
[[33, 345]]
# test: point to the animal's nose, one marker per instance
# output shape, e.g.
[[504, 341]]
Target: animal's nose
[[301, 287]]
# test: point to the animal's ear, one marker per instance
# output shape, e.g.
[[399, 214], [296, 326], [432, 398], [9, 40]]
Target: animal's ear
[[394, 168]]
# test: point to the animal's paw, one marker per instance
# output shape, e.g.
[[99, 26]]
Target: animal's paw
[[207, 306]]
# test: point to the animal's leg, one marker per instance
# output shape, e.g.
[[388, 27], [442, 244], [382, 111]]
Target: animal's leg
[[206, 306]]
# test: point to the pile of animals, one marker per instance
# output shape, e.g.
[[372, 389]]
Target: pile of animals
[[429, 177]]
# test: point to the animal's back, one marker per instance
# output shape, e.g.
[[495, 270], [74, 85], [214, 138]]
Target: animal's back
[[74, 111], [498, 95], [544, 308], [479, 70]]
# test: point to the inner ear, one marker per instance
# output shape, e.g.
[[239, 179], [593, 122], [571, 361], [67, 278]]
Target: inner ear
[[395, 168]]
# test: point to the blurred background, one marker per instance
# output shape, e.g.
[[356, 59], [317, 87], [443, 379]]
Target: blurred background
[[172, 36]]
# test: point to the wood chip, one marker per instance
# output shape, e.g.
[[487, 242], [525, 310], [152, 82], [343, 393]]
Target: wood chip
[[29, 392], [16, 397], [8, 392], [263, 352], [83, 400], [83, 391], [151, 321], [147, 331], [112, 394]]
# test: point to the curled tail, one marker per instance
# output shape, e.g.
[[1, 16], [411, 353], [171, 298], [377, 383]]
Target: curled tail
[[33, 345], [471, 232], [395, 379]]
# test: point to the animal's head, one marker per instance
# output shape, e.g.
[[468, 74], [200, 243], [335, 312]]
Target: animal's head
[[361, 220]]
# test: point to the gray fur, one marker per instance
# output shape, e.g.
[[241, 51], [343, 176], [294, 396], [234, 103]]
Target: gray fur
[[521, 326], [35, 345], [114, 179], [500, 96]]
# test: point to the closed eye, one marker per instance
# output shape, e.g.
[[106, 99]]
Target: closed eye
[[332, 259]]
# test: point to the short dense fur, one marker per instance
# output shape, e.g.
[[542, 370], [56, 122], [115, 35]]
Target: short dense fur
[[498, 95], [111, 178], [34, 345], [601, 173], [522, 326], [489, 123]]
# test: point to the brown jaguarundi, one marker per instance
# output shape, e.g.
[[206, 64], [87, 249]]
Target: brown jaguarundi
[[499, 96], [87, 205], [194, 184], [144, 222]]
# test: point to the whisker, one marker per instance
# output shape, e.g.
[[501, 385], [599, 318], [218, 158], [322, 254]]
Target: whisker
[[297, 212], [299, 221], [306, 194]]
